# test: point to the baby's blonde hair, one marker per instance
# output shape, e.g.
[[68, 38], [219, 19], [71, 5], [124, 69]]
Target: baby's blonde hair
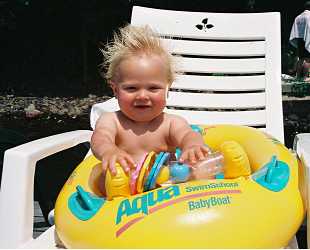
[[131, 41]]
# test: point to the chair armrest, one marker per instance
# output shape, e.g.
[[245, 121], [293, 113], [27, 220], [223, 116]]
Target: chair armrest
[[301, 146], [17, 186]]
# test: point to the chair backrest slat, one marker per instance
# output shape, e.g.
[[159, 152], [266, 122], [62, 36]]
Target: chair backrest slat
[[225, 26], [217, 101], [249, 118], [222, 66], [220, 83], [215, 48]]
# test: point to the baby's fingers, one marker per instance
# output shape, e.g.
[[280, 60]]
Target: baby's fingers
[[200, 155], [206, 150], [183, 157], [192, 156], [124, 164], [112, 167], [104, 165], [187, 156], [130, 161]]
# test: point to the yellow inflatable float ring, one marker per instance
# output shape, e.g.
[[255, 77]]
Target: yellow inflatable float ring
[[258, 203]]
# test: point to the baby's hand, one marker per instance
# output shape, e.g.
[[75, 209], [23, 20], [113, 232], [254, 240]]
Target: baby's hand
[[114, 155], [193, 154]]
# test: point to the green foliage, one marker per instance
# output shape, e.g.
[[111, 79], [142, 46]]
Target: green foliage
[[300, 89]]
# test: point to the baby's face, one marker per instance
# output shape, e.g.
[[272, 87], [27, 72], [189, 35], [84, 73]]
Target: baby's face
[[141, 87]]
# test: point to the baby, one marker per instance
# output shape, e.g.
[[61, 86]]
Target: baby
[[140, 71]]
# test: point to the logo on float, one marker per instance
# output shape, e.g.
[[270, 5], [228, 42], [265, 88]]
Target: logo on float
[[142, 203]]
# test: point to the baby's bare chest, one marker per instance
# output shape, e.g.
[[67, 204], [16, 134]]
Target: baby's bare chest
[[145, 141]]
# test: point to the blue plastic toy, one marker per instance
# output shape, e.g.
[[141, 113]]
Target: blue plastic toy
[[179, 172]]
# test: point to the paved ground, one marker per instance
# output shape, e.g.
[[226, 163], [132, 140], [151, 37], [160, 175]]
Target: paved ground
[[39, 224]]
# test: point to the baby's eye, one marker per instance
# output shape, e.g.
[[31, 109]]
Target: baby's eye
[[155, 88], [130, 88]]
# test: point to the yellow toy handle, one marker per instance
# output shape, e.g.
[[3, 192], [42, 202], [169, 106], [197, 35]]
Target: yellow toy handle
[[117, 185]]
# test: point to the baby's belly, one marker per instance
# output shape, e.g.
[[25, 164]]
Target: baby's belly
[[138, 155]]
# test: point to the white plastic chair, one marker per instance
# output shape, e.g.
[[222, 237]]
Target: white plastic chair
[[232, 66]]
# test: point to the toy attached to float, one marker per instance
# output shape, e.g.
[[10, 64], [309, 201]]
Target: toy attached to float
[[256, 203]]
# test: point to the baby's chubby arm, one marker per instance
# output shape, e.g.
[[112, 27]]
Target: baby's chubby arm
[[103, 145], [191, 142]]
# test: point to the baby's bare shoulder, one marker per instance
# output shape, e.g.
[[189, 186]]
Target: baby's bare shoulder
[[107, 115], [106, 119], [177, 123], [174, 118]]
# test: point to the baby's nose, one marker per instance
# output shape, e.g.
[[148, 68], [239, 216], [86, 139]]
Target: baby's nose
[[142, 94]]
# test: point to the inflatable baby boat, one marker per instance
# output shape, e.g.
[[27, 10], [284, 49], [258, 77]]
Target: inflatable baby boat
[[257, 204]]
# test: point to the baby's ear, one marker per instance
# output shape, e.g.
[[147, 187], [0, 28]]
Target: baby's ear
[[113, 87]]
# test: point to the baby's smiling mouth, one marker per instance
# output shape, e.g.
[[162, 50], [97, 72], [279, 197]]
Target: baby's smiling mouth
[[142, 106]]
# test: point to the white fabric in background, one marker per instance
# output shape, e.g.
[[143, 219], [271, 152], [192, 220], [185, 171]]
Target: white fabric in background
[[301, 29]]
